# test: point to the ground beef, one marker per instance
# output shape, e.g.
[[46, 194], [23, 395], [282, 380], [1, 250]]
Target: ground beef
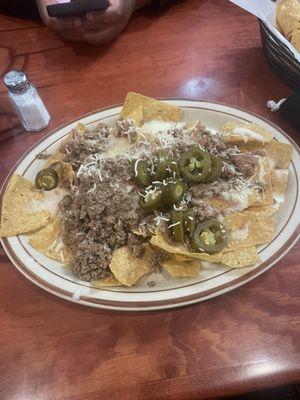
[[214, 143], [203, 210], [103, 130], [215, 189], [87, 256], [244, 163], [80, 147], [98, 218], [135, 244], [228, 171], [126, 127], [197, 128], [101, 209], [117, 171]]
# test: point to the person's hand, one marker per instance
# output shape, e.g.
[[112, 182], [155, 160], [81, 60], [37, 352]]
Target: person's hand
[[71, 28], [95, 27], [104, 26]]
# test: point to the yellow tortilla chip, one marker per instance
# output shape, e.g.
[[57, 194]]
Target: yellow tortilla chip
[[129, 269], [137, 115], [262, 211], [66, 173], [64, 169], [48, 242], [55, 157], [248, 230], [141, 109], [279, 182], [295, 39], [245, 133], [264, 176], [179, 258], [240, 258], [80, 128], [287, 14], [106, 282], [279, 154], [235, 259], [184, 269], [23, 210], [268, 190], [243, 200]]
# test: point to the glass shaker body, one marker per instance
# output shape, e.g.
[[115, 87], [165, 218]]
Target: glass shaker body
[[26, 101]]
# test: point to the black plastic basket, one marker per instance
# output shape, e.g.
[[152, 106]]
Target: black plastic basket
[[280, 58]]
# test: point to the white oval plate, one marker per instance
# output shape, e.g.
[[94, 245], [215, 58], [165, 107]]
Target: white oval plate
[[213, 280]]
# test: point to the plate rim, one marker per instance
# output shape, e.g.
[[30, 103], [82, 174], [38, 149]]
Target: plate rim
[[153, 304]]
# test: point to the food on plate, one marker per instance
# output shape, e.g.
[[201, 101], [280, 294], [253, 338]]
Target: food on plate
[[142, 109], [48, 241], [287, 21], [150, 193], [23, 208]]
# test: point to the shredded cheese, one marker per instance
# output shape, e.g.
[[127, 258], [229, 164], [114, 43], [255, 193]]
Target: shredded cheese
[[172, 225]]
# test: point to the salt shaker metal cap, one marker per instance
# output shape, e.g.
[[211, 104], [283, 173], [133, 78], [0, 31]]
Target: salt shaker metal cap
[[16, 81]]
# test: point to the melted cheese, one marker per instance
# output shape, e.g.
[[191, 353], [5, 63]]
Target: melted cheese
[[49, 203], [238, 199], [247, 134], [157, 126]]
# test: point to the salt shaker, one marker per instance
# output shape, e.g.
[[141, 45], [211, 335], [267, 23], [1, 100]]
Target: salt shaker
[[26, 101]]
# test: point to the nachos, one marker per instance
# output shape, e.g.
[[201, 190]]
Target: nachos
[[151, 192]]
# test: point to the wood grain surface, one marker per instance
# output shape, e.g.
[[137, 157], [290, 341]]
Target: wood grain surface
[[245, 340]]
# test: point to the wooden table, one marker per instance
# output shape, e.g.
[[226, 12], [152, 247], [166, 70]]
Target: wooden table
[[245, 340]]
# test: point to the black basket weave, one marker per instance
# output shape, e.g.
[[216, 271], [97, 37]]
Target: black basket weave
[[280, 58]]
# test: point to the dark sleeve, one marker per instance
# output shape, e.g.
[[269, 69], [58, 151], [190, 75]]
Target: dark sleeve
[[20, 8]]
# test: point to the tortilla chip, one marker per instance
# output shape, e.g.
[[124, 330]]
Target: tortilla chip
[[184, 269], [243, 201], [141, 109], [181, 259], [22, 208], [279, 182], [287, 14], [66, 173], [235, 259], [65, 169], [245, 133], [265, 176], [129, 269], [279, 154], [262, 211], [48, 242], [106, 282], [240, 258], [55, 157], [80, 128], [79, 131], [248, 230], [295, 39], [137, 115]]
